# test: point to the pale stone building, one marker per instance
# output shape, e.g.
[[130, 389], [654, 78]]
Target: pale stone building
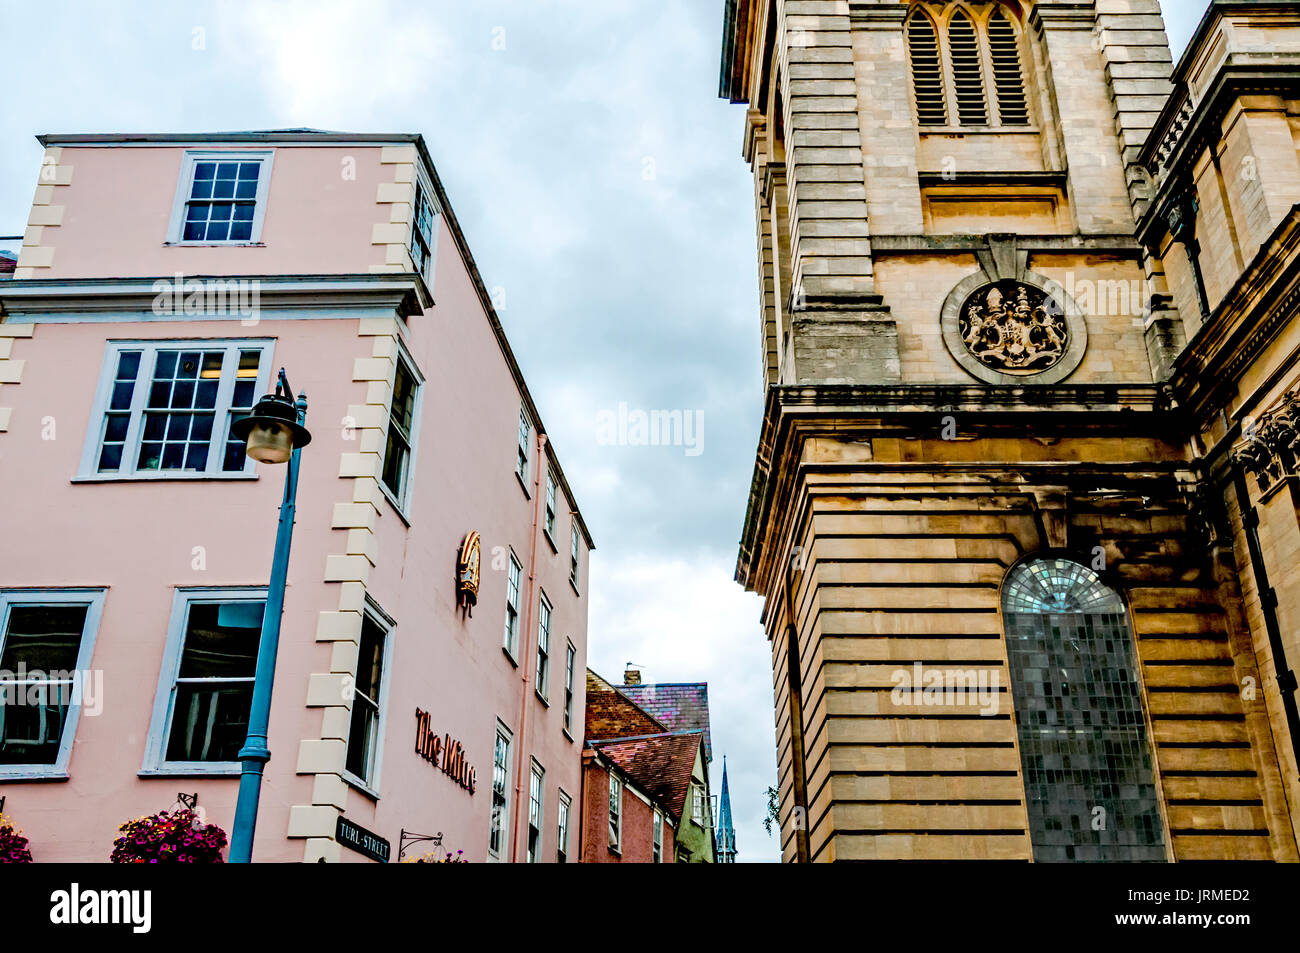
[[1024, 503]]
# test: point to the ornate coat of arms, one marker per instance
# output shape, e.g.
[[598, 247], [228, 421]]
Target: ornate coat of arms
[[1014, 328]]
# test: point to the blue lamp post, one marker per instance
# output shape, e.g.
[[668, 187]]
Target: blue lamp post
[[273, 433]]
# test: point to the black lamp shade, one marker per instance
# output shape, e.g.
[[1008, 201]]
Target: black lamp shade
[[271, 410]]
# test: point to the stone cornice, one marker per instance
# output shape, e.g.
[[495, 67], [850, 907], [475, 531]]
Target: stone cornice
[[1264, 298], [847, 411], [54, 298], [876, 16], [1203, 130], [1064, 16], [1064, 244]]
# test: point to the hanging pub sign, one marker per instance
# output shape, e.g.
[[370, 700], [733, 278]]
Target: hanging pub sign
[[361, 840], [444, 753], [467, 572]]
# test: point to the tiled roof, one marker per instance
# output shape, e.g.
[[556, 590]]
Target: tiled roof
[[681, 706], [611, 714], [660, 765]]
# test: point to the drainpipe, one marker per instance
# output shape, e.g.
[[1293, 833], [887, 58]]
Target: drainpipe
[[582, 805], [1286, 678], [525, 651]]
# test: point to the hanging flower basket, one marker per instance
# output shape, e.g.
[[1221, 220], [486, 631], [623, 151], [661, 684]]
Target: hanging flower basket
[[169, 837], [13, 845], [440, 857]]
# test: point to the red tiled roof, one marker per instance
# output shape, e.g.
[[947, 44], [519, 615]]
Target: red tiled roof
[[611, 714], [660, 765]]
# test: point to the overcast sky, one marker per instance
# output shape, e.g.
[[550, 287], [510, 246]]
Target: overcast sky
[[600, 185]]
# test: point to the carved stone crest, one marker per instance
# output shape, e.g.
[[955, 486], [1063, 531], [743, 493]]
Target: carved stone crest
[[1014, 328], [1005, 324]]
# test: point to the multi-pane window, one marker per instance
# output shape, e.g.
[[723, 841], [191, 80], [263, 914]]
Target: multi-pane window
[[167, 408], [401, 419], [513, 575], [658, 842], [697, 804], [1080, 721], [615, 812], [536, 780], [525, 446], [364, 734], [574, 544], [210, 691], [224, 196], [422, 232], [967, 67], [44, 652], [500, 793], [570, 663], [543, 647], [562, 830], [550, 504]]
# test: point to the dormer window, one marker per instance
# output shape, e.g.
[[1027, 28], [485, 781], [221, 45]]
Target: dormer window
[[967, 67], [221, 198]]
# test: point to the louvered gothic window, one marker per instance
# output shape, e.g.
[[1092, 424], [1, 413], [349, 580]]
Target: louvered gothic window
[[967, 68]]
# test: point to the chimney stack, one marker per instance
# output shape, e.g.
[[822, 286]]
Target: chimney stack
[[631, 675]]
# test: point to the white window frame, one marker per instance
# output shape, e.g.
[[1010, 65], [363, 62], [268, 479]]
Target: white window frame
[[657, 843], [536, 811], [402, 502], [89, 467], [185, 183], [614, 823], [510, 634], [563, 818], [524, 449], [424, 188], [575, 556], [570, 667], [155, 749], [93, 600], [385, 622], [542, 672], [549, 525], [502, 855]]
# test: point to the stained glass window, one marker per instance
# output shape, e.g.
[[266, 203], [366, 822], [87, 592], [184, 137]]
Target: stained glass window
[[1088, 768]]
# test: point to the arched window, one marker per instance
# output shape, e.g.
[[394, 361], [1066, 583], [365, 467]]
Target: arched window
[[1008, 78], [967, 70], [927, 71], [966, 67], [1088, 768]]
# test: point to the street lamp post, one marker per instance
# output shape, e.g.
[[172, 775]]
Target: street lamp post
[[273, 433]]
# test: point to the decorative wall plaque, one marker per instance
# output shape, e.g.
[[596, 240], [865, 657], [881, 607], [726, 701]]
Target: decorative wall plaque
[[1014, 328], [467, 572], [1007, 325]]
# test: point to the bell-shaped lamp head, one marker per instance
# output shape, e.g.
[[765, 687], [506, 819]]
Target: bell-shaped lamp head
[[272, 432]]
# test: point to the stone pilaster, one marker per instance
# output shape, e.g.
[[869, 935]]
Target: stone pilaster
[[1099, 195], [1135, 50], [831, 253]]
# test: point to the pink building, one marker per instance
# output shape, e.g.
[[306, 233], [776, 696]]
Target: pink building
[[162, 281]]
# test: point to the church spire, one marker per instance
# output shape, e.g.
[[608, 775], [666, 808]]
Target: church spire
[[726, 832]]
